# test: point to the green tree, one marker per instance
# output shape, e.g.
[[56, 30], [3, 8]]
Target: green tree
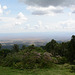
[[62, 49], [51, 46], [16, 48], [31, 47], [4, 52], [23, 47], [0, 46], [71, 49]]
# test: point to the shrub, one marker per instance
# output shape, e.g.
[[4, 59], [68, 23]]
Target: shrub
[[4, 52], [18, 65], [29, 60], [61, 60], [10, 59], [73, 68], [66, 65]]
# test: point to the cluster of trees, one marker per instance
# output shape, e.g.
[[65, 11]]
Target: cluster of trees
[[43, 56], [64, 49]]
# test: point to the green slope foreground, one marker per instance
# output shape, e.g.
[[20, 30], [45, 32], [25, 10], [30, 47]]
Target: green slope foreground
[[54, 71]]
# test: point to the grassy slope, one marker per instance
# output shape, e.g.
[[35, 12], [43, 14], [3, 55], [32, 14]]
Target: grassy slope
[[54, 71]]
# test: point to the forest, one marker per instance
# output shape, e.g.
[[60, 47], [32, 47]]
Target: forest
[[43, 57]]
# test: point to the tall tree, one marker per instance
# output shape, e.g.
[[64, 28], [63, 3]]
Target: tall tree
[[16, 48], [0, 46], [63, 49], [23, 47], [71, 49], [31, 47], [51, 46]]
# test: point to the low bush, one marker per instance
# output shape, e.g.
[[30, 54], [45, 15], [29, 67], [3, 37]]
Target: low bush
[[72, 68], [29, 60], [61, 60]]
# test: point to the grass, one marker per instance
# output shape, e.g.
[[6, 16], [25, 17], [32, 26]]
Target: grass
[[60, 70]]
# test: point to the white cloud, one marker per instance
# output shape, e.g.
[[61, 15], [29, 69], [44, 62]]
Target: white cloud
[[2, 9], [72, 8], [5, 7], [70, 13], [7, 12], [16, 25], [51, 10], [21, 16], [12, 24], [20, 19], [68, 25]]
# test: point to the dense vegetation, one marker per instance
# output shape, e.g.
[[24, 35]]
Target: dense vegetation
[[33, 57]]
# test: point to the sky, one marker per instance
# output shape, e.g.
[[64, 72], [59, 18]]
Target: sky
[[19, 16]]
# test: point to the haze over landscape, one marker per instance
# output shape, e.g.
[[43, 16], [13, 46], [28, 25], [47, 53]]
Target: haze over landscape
[[37, 35]]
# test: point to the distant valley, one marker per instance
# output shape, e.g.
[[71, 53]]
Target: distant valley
[[38, 39]]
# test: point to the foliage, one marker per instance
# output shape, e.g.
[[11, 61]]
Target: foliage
[[50, 47], [23, 47], [61, 60], [28, 60], [0, 46], [57, 48], [4, 52], [71, 48], [33, 57], [73, 68], [16, 48]]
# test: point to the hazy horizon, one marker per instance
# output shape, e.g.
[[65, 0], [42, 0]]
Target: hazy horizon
[[59, 36]]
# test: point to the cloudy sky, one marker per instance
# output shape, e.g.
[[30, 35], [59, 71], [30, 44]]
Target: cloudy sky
[[17, 16]]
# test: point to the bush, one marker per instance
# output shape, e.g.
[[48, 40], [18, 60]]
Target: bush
[[66, 65], [4, 52], [18, 65], [10, 59], [37, 60], [29, 60], [61, 60], [73, 68]]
